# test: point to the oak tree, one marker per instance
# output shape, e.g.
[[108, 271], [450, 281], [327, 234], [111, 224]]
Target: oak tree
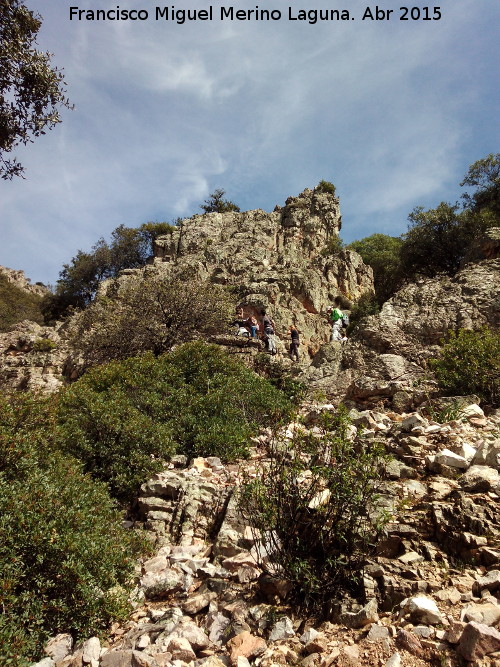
[[31, 90]]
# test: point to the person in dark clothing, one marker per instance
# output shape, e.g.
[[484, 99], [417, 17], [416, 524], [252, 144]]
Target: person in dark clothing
[[269, 331], [295, 342]]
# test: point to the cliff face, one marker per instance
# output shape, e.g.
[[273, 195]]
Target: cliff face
[[18, 279], [386, 358], [285, 261]]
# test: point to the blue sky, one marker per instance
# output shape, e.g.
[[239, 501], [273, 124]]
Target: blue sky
[[392, 112]]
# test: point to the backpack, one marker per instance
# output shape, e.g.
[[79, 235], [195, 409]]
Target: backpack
[[336, 315], [345, 320]]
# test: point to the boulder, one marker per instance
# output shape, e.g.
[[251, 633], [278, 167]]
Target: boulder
[[478, 640], [422, 610], [246, 645]]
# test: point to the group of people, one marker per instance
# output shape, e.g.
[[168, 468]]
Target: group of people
[[266, 330], [250, 327]]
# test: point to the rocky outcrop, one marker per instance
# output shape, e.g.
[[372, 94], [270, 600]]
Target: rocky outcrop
[[18, 278], [386, 357], [287, 261], [202, 598], [34, 357]]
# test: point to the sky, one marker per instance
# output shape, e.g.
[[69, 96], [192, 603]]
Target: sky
[[391, 111]]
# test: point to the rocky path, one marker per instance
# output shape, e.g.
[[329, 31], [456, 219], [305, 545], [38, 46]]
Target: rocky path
[[203, 600]]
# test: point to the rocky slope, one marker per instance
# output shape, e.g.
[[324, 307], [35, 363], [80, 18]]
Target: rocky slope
[[431, 589], [385, 358], [19, 279]]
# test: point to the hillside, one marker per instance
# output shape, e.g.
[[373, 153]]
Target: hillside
[[19, 299], [212, 591]]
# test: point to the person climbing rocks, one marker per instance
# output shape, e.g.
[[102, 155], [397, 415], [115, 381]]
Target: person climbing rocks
[[294, 343], [254, 326], [336, 318], [269, 330], [240, 323]]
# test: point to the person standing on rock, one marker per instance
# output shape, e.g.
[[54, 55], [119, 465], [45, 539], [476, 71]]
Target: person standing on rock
[[336, 316], [269, 329], [294, 343]]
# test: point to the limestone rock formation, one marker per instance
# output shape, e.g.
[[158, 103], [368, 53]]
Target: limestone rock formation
[[202, 598], [33, 357], [386, 356], [18, 278], [284, 261]]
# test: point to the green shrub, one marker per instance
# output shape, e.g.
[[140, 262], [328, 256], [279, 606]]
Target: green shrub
[[44, 345], [63, 553], [17, 305], [315, 503], [279, 376], [469, 363], [150, 313], [366, 305], [325, 186], [124, 418]]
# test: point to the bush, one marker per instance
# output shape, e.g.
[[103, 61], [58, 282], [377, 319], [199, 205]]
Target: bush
[[314, 505], [217, 204], [16, 305], [366, 305], [63, 553], [44, 345], [381, 252], [279, 376], [325, 186], [123, 418], [150, 313], [470, 363]]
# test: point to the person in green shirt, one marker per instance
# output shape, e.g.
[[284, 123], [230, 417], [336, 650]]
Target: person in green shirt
[[335, 317]]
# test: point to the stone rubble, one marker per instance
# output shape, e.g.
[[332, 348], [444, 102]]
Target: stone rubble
[[202, 599]]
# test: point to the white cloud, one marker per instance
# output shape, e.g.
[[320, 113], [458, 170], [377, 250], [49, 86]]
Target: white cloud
[[165, 113]]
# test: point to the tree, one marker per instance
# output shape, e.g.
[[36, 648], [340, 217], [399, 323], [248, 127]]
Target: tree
[[381, 252], [485, 176], [217, 204], [313, 509], [150, 313], [79, 280], [31, 91], [439, 239]]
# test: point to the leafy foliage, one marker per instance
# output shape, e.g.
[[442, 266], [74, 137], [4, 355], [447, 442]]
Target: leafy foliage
[[123, 419], [470, 363], [63, 553], [216, 203], [365, 306], [325, 186], [484, 175], [438, 239], [16, 305], [382, 253], [333, 247], [79, 281], [314, 505], [150, 314], [279, 376], [31, 91]]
